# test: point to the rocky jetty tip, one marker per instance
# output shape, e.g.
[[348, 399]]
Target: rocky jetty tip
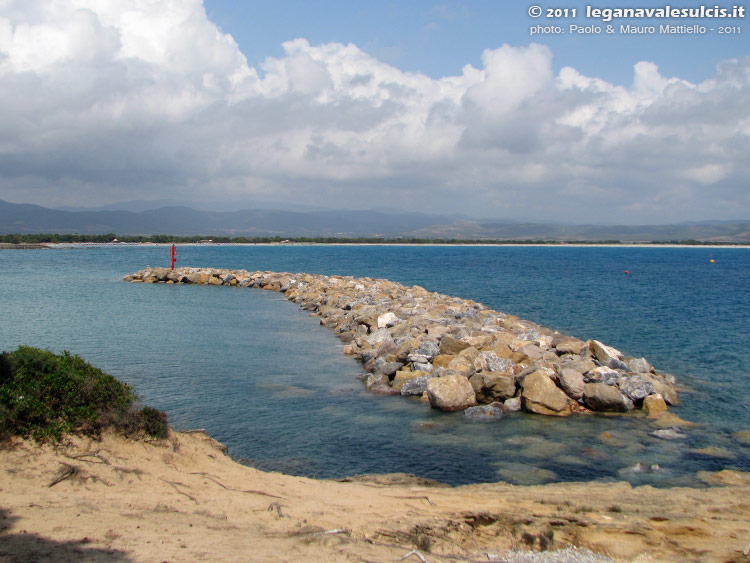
[[455, 353]]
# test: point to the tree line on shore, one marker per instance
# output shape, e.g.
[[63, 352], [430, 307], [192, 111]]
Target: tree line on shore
[[166, 239]]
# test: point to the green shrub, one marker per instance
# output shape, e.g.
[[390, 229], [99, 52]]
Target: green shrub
[[44, 395], [153, 422]]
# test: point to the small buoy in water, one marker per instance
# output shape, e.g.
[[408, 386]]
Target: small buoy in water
[[627, 272], [712, 259]]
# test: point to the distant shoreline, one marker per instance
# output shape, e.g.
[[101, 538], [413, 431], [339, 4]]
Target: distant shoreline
[[23, 246], [444, 244], [51, 245]]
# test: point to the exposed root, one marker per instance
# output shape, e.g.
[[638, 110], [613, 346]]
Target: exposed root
[[413, 498], [416, 554], [66, 472], [222, 485], [174, 485], [312, 531], [276, 506], [83, 456], [329, 532]]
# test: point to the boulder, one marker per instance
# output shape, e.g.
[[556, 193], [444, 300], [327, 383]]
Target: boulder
[[197, 277], [654, 405], [529, 351], [529, 334], [161, 274], [422, 366], [403, 350], [361, 330], [581, 365], [438, 331], [428, 348], [603, 397], [416, 386], [502, 350], [571, 381], [604, 353], [378, 384], [387, 347], [601, 374], [671, 420], [540, 395], [451, 393], [635, 387], [346, 337], [469, 352], [452, 346], [549, 372], [417, 358], [462, 364], [382, 367], [402, 377], [387, 320], [490, 362], [568, 346], [662, 388], [496, 386], [485, 413], [379, 336], [500, 386], [669, 434], [442, 360], [545, 342], [618, 365], [667, 378], [715, 452], [466, 314], [512, 405], [639, 365], [368, 356]]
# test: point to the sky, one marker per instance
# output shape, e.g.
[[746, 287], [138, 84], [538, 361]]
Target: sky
[[471, 108]]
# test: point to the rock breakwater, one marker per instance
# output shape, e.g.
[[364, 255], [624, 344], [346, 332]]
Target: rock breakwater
[[453, 352]]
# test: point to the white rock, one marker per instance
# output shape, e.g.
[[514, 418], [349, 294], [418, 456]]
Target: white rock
[[387, 319], [604, 353]]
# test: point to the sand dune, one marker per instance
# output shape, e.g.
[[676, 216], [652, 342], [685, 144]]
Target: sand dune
[[183, 499]]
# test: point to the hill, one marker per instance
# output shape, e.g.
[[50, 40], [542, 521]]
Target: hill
[[181, 220]]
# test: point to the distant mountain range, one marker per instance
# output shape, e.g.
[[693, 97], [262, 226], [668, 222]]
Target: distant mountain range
[[232, 205], [181, 220]]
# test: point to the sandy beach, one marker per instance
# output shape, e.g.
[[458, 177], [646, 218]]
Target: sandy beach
[[184, 499]]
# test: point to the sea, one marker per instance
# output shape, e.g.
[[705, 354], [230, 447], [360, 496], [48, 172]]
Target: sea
[[266, 379]]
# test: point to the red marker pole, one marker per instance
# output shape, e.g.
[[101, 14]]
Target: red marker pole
[[173, 255]]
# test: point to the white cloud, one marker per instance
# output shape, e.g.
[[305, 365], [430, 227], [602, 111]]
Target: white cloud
[[511, 75], [107, 100], [707, 174]]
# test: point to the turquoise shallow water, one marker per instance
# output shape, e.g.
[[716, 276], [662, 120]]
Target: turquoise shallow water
[[267, 380]]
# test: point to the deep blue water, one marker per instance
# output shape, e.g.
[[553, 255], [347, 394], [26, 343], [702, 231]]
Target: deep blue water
[[270, 382]]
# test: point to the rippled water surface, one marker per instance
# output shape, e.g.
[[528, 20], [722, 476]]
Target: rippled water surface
[[266, 379]]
